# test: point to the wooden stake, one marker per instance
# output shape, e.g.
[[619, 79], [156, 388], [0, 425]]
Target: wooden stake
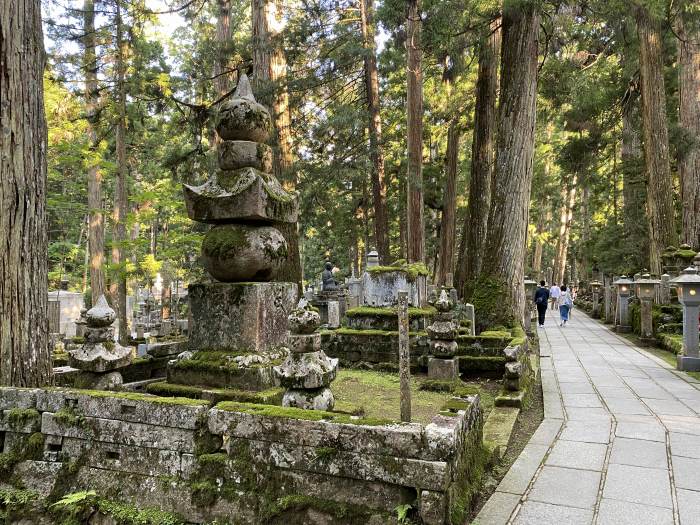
[[404, 359]]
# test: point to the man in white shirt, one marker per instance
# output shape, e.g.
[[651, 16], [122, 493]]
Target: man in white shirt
[[554, 293]]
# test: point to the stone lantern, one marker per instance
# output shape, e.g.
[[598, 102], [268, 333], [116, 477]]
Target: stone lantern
[[688, 288], [623, 285], [530, 287], [646, 291], [595, 289]]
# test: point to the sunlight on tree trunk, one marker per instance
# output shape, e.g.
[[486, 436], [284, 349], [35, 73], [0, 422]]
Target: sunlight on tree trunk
[[25, 357]]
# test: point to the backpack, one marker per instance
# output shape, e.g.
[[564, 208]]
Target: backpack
[[568, 301]]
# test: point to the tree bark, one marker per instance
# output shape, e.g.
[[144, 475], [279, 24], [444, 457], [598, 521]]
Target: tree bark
[[504, 257], [381, 215], [222, 74], [568, 194], [270, 81], [634, 191], [662, 231], [25, 357], [689, 95], [121, 202], [415, 248], [476, 220], [449, 206], [96, 227]]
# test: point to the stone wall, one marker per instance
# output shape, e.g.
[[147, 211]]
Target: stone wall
[[240, 463]]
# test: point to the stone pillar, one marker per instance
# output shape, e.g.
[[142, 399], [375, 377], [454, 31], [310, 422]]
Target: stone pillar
[[607, 298], [333, 314], [647, 335], [404, 358], [665, 289], [596, 305], [469, 312]]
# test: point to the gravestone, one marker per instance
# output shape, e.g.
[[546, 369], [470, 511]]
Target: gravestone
[[442, 363]]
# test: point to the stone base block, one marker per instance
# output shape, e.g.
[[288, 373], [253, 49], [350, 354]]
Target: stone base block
[[321, 399], [92, 381], [447, 369], [257, 378], [648, 341], [310, 370], [688, 363], [621, 329], [240, 316]]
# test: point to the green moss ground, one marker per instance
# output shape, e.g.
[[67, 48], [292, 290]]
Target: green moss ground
[[376, 394], [389, 312]]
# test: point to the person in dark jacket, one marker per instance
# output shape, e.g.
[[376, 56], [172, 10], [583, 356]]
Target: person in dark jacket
[[541, 300]]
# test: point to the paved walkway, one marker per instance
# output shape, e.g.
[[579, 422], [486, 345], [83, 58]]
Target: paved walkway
[[620, 441]]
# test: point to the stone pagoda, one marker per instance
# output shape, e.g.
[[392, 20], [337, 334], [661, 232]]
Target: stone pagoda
[[100, 357], [239, 321], [307, 372], [442, 363]]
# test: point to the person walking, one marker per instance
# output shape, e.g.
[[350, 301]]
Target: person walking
[[541, 300], [566, 303], [554, 293]]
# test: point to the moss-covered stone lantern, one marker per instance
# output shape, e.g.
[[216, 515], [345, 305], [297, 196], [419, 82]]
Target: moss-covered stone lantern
[[624, 288], [646, 291], [688, 288]]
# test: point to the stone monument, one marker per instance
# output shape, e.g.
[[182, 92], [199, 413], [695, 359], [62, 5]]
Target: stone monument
[[307, 372], [443, 346], [244, 312], [100, 357]]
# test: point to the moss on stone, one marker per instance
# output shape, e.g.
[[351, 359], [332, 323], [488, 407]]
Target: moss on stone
[[225, 242], [412, 271], [298, 413], [174, 390], [367, 311], [18, 417], [134, 396], [482, 363], [344, 512], [68, 417], [378, 333]]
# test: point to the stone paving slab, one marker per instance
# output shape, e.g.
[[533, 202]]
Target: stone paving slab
[[565, 486], [639, 453], [613, 512], [536, 513], [613, 413], [578, 455]]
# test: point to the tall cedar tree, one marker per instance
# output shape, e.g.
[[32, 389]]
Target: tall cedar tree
[[662, 230], [476, 220], [501, 278], [24, 351], [96, 227], [270, 79], [118, 289], [381, 214], [689, 94], [415, 244]]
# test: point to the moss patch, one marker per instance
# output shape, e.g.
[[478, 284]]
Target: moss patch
[[343, 512], [377, 395], [18, 417], [412, 271], [372, 311], [133, 396], [225, 241], [490, 299], [298, 413]]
